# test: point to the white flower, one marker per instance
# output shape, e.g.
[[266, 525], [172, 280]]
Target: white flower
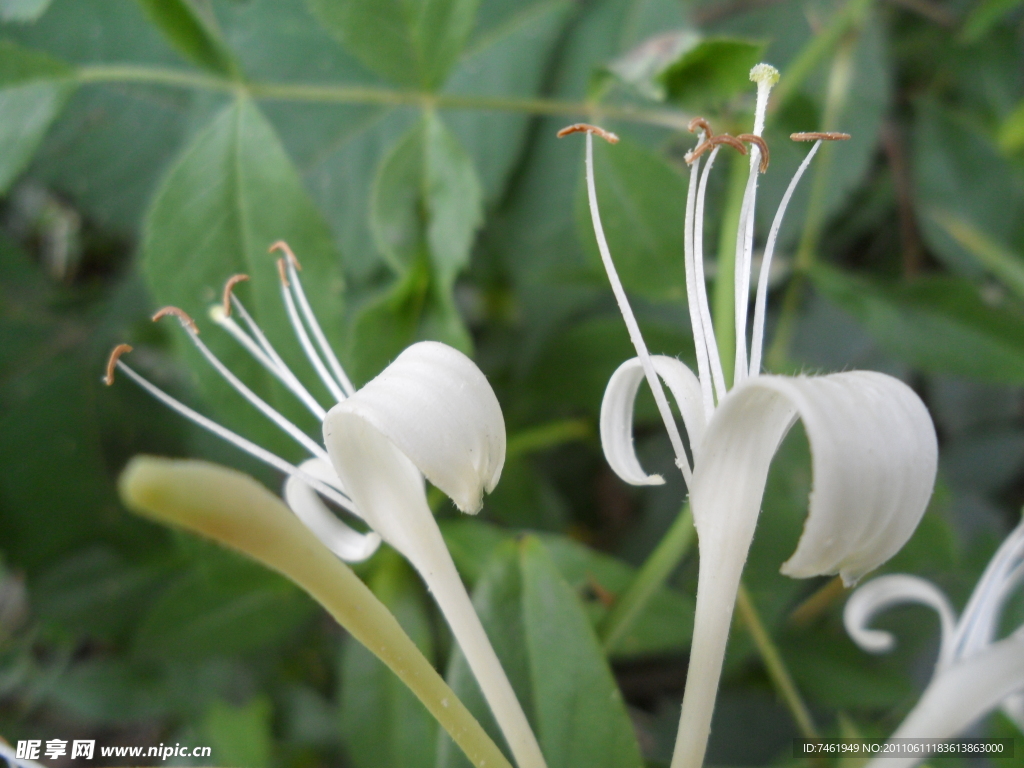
[[431, 412], [872, 441], [975, 672]]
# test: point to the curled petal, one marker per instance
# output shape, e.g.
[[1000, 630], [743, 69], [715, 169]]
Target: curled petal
[[881, 593], [874, 453], [437, 408], [960, 695], [617, 413], [348, 544]]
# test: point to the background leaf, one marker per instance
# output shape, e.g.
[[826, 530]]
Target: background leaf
[[33, 89], [939, 324], [191, 34], [232, 193], [413, 42]]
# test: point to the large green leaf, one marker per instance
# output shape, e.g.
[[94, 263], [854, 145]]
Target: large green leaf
[[413, 42], [665, 625], [383, 723], [192, 33], [938, 324], [641, 199], [580, 713], [220, 605], [960, 174], [33, 88], [425, 211], [228, 198]]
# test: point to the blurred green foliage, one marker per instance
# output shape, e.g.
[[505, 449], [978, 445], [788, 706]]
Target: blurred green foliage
[[406, 151]]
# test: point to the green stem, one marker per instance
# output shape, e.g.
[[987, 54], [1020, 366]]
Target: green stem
[[649, 579], [837, 95], [725, 277], [353, 94], [236, 511], [807, 61], [774, 664], [546, 436]]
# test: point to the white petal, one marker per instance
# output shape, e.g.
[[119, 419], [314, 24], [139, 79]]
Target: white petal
[[885, 591], [874, 452], [437, 408], [617, 414], [347, 543], [430, 411], [961, 695]]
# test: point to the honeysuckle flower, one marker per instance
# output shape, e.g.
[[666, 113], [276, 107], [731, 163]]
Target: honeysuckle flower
[[975, 672], [431, 413], [872, 441]]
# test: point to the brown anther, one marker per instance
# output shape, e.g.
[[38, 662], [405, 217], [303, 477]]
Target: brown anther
[[231, 283], [115, 353], [281, 245], [608, 136], [722, 138], [819, 136], [282, 272], [702, 124], [762, 145], [186, 321]]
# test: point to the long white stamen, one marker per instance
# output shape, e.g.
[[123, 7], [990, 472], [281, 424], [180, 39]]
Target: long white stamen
[[757, 337], [765, 76], [711, 343], [283, 374], [307, 346], [743, 258], [238, 441], [693, 304], [318, 334], [631, 325], [297, 434]]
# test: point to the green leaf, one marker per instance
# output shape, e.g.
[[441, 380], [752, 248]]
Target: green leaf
[[33, 89], [580, 712], [938, 324], [240, 736], [383, 723], [427, 198], [191, 33], [233, 192], [984, 16], [510, 60], [413, 42], [641, 199], [998, 260], [23, 10], [958, 172], [665, 625], [221, 605], [710, 71], [425, 209]]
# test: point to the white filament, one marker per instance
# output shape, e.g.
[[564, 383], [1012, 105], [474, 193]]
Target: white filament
[[280, 371], [631, 325], [307, 346], [757, 337], [318, 334], [708, 327], [696, 322], [238, 441]]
